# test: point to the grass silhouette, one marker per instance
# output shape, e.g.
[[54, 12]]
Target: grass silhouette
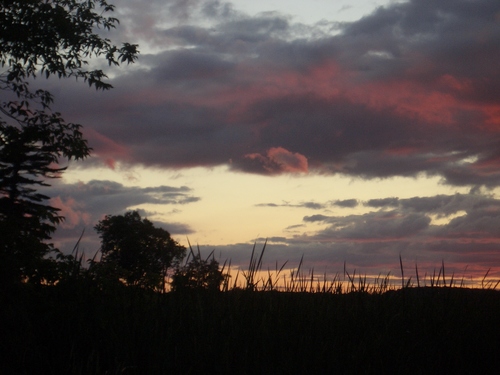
[[345, 325]]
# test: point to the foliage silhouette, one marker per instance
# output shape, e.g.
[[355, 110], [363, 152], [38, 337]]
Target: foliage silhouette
[[24, 220], [47, 38], [135, 252], [198, 274], [411, 330]]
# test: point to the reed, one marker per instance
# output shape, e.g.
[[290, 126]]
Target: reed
[[275, 320], [297, 279]]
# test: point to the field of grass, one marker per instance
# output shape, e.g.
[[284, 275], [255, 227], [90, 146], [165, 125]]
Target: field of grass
[[335, 327]]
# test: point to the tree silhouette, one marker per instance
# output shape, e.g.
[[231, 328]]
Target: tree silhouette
[[47, 38], [136, 252], [24, 219]]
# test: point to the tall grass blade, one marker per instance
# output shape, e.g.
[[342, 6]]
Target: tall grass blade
[[484, 278], [442, 267], [416, 272], [402, 271]]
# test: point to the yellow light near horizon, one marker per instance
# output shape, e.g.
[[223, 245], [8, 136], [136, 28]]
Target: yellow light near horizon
[[232, 206]]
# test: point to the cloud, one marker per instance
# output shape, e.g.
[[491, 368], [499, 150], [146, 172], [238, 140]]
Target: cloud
[[458, 229], [461, 230], [441, 205], [468, 236], [347, 203], [313, 218], [277, 160], [72, 211], [310, 205], [384, 202], [109, 150], [112, 197], [374, 227], [410, 89], [188, 67], [83, 204]]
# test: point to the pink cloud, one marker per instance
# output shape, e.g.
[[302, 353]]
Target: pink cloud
[[279, 160], [253, 84], [105, 148], [434, 103], [72, 212]]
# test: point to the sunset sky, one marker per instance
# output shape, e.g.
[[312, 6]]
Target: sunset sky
[[348, 131]]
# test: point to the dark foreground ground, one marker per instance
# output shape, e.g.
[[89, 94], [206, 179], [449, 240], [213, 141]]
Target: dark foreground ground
[[81, 330]]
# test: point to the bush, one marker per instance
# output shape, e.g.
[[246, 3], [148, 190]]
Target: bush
[[198, 274]]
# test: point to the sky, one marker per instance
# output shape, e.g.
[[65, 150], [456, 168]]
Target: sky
[[341, 131]]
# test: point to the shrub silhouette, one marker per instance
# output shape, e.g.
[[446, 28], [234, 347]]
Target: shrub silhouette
[[198, 274]]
